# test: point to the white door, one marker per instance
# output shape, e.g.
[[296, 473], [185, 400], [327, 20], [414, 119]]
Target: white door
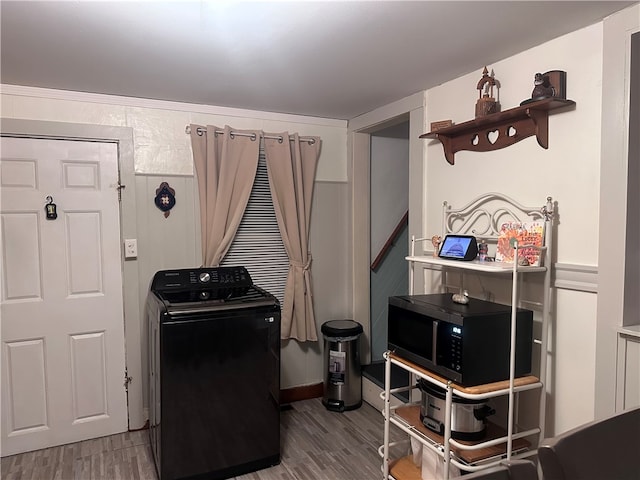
[[63, 357]]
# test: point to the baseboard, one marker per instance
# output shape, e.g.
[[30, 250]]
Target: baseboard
[[370, 394], [304, 392], [145, 426]]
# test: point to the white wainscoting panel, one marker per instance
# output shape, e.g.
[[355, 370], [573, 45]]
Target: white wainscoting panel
[[575, 277], [628, 368], [164, 242]]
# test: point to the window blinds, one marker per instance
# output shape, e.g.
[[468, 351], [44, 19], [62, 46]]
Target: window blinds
[[258, 245]]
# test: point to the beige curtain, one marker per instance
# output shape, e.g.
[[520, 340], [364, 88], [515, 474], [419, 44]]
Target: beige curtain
[[291, 165], [226, 165]]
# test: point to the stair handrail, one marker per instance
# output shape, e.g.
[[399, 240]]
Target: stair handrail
[[390, 241]]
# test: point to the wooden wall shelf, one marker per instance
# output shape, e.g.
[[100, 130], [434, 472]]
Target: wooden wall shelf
[[500, 130]]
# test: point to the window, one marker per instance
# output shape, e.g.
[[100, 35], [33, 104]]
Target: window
[[258, 245]]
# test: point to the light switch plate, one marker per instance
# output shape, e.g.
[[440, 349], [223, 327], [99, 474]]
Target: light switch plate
[[130, 248]]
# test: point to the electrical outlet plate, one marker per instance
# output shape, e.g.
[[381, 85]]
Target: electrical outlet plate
[[130, 248]]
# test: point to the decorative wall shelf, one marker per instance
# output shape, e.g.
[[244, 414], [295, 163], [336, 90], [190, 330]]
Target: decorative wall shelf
[[500, 130]]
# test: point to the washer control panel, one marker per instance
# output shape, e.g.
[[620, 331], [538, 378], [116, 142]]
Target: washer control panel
[[210, 277]]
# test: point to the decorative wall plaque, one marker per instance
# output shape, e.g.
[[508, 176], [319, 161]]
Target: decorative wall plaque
[[440, 125], [165, 198]]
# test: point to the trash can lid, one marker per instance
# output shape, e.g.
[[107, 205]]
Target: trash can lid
[[341, 328]]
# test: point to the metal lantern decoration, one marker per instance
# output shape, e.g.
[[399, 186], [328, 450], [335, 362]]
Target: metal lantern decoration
[[486, 103]]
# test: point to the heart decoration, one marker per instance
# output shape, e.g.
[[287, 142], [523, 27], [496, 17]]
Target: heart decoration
[[492, 136]]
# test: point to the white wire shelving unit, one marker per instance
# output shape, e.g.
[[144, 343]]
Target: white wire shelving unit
[[482, 218]]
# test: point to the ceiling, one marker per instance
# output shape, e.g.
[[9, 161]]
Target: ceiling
[[329, 59]]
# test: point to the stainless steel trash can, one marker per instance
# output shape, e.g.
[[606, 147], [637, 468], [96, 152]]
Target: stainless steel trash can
[[343, 376]]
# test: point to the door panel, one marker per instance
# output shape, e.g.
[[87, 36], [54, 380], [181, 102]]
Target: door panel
[[62, 309], [88, 360], [85, 270], [26, 356], [21, 252]]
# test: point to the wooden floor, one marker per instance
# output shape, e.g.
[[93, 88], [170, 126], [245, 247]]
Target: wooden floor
[[316, 445]]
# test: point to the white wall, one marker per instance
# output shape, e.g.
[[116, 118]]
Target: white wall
[[359, 161], [389, 188], [389, 203], [162, 152], [161, 145], [614, 175], [569, 171]]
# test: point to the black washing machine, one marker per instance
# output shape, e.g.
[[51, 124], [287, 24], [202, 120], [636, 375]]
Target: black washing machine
[[214, 373]]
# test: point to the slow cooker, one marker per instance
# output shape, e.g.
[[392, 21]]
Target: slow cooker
[[468, 417]]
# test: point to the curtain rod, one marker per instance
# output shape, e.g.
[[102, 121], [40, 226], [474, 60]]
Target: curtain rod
[[201, 131]]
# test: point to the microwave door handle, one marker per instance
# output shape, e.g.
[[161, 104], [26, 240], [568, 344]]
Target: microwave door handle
[[434, 341]]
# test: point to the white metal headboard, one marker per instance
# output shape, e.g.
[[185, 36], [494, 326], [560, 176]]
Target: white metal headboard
[[483, 216]]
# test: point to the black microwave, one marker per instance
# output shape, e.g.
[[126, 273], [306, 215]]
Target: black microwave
[[468, 344]]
